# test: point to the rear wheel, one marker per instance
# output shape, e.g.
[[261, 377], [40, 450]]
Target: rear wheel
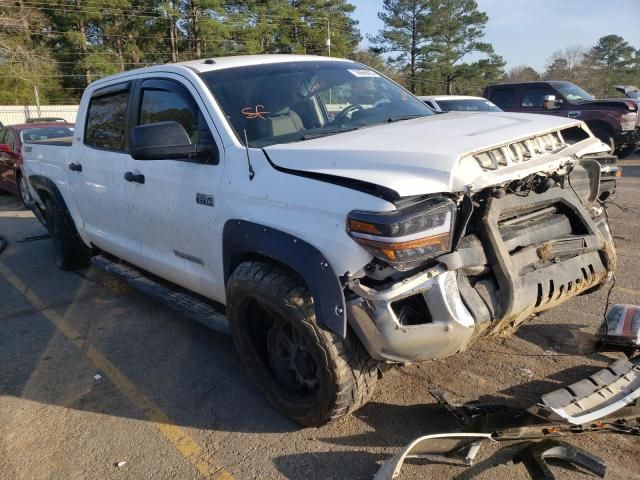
[[308, 373], [23, 190], [70, 252]]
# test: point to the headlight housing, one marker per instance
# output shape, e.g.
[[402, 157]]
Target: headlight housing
[[628, 121], [408, 236]]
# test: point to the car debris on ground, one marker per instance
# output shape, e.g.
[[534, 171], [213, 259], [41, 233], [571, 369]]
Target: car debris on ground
[[605, 402]]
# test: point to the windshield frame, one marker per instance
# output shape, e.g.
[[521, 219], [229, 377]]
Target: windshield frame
[[209, 77]]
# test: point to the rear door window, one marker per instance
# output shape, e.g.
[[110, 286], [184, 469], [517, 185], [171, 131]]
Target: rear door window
[[502, 97], [106, 118]]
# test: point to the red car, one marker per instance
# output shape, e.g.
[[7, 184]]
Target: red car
[[12, 137]]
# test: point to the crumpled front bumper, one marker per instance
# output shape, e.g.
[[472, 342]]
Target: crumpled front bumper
[[448, 326]]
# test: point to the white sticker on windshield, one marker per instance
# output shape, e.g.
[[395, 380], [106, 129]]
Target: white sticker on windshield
[[363, 73]]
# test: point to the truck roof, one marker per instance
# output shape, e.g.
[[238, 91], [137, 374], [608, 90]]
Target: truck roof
[[220, 63], [527, 82]]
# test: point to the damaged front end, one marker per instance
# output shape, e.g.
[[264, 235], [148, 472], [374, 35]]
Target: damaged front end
[[514, 250]]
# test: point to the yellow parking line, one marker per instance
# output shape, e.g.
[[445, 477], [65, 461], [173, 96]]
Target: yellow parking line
[[186, 445]]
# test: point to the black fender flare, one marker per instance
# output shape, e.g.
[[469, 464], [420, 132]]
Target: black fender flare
[[242, 239], [40, 183]]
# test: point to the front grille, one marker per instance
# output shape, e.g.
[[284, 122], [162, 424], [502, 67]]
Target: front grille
[[521, 151], [542, 248]]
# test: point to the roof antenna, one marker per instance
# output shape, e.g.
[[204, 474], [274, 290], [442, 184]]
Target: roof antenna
[[246, 144]]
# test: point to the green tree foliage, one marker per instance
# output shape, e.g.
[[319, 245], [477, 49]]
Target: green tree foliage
[[456, 29], [616, 60], [522, 73], [26, 62], [78, 41], [404, 35], [432, 41]]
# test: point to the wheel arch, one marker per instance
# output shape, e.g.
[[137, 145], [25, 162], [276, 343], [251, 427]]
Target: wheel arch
[[247, 241], [47, 189]]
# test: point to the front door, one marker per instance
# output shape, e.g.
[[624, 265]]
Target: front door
[[173, 203]]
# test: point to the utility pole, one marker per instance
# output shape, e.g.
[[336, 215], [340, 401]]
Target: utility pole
[[37, 95], [329, 36]]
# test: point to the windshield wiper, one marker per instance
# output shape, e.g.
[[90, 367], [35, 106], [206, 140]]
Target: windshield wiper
[[310, 136], [405, 117]]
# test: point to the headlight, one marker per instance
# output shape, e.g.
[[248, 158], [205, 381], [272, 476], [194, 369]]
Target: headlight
[[628, 121], [407, 236]]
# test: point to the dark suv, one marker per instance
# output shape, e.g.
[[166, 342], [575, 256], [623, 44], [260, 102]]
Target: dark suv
[[615, 121]]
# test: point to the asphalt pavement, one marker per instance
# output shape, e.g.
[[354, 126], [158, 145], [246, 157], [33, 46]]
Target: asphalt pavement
[[99, 381]]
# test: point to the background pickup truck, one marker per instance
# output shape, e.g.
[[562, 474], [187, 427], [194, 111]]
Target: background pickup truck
[[614, 121], [324, 215]]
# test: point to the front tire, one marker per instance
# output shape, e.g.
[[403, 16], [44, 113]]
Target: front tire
[[308, 373], [70, 252]]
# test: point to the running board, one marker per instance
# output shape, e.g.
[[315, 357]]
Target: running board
[[195, 307]]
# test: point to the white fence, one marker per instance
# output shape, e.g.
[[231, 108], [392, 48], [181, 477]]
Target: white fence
[[13, 114]]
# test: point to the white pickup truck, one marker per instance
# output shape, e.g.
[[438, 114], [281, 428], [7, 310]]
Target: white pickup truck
[[324, 214]]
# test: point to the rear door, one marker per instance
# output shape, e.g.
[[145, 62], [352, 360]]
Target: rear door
[[96, 172], [175, 209], [504, 97]]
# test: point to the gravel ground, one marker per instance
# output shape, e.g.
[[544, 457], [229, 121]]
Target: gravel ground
[[93, 374]]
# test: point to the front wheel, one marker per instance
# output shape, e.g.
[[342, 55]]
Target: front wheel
[[308, 373]]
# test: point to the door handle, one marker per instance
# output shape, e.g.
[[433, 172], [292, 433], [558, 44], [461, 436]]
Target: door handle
[[134, 177], [574, 114], [75, 167]]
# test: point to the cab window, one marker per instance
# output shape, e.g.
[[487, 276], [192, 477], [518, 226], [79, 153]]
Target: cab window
[[164, 100], [502, 97], [534, 97], [106, 118]]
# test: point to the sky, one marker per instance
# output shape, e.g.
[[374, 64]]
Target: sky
[[527, 32]]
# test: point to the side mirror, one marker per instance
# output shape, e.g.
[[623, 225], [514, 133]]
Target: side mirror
[[4, 148], [169, 141], [550, 102]]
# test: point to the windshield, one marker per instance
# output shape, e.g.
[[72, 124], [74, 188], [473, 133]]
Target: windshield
[[468, 105], [296, 101], [31, 135], [572, 92], [633, 92]]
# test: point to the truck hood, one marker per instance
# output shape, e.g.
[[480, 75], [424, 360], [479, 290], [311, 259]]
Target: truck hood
[[422, 155], [616, 103]]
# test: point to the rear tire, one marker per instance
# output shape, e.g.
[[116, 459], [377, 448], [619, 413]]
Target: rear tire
[[23, 190], [308, 373], [70, 251]]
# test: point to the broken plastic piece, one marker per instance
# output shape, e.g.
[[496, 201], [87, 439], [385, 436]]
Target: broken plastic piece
[[441, 444], [534, 456], [594, 398]]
